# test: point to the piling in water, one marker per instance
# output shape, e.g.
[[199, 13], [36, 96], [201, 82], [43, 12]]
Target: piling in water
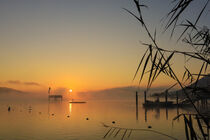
[[145, 96], [136, 98], [9, 109], [166, 97], [137, 114], [177, 99]]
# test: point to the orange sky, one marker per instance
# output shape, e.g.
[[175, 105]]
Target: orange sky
[[87, 45]]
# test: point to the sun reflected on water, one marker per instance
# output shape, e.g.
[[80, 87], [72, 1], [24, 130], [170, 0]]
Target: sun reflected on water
[[56, 118], [70, 108]]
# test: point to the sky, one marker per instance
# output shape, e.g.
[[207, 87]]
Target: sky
[[77, 44]]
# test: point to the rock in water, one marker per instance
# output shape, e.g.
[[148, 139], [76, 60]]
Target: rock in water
[[9, 109]]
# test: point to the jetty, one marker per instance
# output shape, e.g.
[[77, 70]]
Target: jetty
[[157, 102], [54, 96], [166, 103]]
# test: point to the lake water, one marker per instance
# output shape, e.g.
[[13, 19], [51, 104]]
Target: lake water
[[41, 120]]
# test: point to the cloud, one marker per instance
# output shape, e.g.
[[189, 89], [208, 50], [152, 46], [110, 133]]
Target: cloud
[[14, 82], [31, 84], [17, 82]]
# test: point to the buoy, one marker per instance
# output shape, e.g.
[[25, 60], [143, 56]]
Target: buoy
[[87, 118], [9, 108]]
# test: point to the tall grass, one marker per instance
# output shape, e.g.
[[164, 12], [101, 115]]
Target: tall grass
[[158, 60]]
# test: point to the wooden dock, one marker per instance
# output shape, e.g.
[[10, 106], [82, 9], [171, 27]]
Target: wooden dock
[[166, 103], [55, 97]]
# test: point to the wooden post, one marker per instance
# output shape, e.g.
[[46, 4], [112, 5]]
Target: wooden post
[[207, 102], [166, 97], [136, 98], [145, 97], [145, 114], [49, 90], [177, 99], [49, 93], [137, 114]]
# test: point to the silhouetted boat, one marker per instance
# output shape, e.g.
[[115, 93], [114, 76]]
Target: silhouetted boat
[[77, 102], [158, 104], [169, 104]]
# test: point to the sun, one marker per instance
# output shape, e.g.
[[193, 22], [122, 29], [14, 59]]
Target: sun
[[70, 90]]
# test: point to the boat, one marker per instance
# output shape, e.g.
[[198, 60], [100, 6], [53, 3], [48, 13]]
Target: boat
[[77, 102], [72, 102], [158, 104]]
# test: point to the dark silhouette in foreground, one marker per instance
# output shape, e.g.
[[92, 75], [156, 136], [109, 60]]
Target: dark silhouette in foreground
[[9, 109]]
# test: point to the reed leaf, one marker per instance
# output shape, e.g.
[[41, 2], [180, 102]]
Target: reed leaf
[[124, 134], [112, 131], [200, 127], [140, 20], [157, 67], [144, 68], [117, 132], [137, 5], [177, 11], [151, 71], [107, 132], [187, 27], [155, 35], [178, 116], [201, 12], [130, 133], [140, 64], [196, 82], [186, 128], [190, 125], [184, 75], [142, 5], [166, 63], [206, 67]]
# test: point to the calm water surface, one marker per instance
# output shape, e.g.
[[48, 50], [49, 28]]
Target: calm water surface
[[40, 120]]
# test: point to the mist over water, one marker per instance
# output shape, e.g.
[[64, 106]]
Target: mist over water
[[34, 117]]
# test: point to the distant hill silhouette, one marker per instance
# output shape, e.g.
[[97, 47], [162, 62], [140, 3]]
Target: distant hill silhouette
[[117, 93], [6, 90], [203, 83]]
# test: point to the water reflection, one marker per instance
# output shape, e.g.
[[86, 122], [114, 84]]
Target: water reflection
[[166, 113], [157, 115], [70, 108], [125, 114], [137, 107], [157, 111], [145, 114]]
